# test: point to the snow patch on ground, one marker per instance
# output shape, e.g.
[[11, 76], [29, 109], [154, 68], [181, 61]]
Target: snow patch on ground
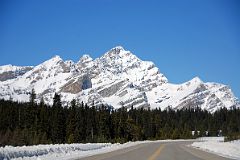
[[216, 145]]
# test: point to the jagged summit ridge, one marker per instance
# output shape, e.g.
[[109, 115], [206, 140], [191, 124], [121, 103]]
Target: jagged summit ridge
[[118, 78]]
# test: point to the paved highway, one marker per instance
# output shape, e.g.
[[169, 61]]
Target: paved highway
[[158, 151]]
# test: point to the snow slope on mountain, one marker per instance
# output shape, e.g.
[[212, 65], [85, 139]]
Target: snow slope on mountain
[[118, 78]]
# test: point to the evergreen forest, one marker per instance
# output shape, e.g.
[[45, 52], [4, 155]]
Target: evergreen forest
[[33, 123]]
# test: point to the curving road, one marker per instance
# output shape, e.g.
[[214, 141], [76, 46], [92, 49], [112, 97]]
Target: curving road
[[158, 151]]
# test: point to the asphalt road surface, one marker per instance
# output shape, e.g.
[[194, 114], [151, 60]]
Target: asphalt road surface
[[158, 151]]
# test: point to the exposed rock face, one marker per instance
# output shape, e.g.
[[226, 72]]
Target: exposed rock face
[[76, 86], [118, 78], [112, 89], [72, 87]]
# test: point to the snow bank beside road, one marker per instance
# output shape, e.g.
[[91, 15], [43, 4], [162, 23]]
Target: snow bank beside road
[[59, 151], [226, 149], [213, 139], [65, 151], [47, 151]]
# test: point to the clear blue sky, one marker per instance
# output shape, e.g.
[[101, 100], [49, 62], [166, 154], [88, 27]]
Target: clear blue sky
[[184, 38]]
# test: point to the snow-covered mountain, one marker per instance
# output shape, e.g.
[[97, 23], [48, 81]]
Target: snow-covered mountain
[[118, 78]]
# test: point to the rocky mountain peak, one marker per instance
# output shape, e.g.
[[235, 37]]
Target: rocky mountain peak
[[85, 59], [118, 53], [51, 64], [195, 80], [118, 48], [56, 58], [52, 61]]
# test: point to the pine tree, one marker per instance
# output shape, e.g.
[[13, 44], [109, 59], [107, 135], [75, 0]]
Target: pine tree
[[58, 121], [71, 122], [32, 97]]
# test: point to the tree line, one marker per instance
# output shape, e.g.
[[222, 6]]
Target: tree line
[[31, 123]]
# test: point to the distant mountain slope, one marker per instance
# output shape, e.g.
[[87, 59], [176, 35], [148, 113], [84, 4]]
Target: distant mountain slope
[[10, 72], [118, 78]]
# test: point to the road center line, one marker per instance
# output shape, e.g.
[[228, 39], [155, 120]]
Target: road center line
[[156, 153]]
